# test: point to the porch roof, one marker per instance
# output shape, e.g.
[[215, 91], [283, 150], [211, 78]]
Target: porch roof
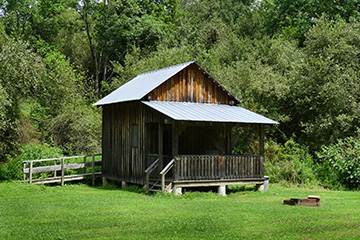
[[205, 112]]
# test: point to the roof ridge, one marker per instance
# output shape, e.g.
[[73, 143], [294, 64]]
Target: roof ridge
[[165, 68]]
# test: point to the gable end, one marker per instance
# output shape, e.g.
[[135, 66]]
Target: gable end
[[192, 84]]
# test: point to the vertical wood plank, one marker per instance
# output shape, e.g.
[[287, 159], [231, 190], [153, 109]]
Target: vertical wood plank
[[93, 170], [184, 85], [160, 145], [206, 86], [30, 171], [62, 171], [177, 92], [54, 173], [24, 174], [202, 97], [181, 90], [194, 83], [84, 164], [212, 92]]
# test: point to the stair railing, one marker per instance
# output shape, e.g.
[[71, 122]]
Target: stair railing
[[149, 170], [164, 172]]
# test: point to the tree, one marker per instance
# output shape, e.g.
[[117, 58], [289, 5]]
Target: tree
[[295, 18], [114, 28]]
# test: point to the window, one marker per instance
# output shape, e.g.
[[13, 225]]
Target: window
[[135, 136]]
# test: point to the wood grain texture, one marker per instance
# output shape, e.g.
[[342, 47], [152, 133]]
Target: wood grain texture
[[191, 85]]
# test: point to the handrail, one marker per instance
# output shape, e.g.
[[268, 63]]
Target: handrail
[[59, 158], [149, 170], [168, 167], [62, 167], [152, 166], [164, 172]]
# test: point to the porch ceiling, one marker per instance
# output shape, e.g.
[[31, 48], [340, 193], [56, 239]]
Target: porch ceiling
[[205, 112]]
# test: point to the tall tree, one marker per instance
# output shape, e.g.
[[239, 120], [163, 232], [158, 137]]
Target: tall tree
[[114, 28], [295, 18]]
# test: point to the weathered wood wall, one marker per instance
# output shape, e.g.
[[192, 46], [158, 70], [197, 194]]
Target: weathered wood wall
[[191, 85], [122, 161], [205, 139]]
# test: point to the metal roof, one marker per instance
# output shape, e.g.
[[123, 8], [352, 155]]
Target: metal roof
[[141, 85], [188, 111]]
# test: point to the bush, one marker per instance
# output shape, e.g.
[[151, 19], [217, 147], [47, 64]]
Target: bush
[[77, 130], [340, 163], [289, 163], [13, 167]]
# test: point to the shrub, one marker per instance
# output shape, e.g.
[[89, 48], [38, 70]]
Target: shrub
[[289, 163], [77, 130], [12, 168], [340, 163]]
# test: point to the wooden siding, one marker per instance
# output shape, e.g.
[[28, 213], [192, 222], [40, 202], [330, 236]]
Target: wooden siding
[[191, 85], [122, 161]]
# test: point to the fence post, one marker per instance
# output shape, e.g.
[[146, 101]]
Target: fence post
[[93, 170], [84, 164], [24, 171], [30, 172], [55, 170], [62, 171]]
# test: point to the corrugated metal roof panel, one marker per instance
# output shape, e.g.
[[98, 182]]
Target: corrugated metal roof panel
[[141, 85], [187, 111]]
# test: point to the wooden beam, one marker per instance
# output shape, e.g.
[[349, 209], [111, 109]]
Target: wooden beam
[[175, 140], [262, 140], [160, 144]]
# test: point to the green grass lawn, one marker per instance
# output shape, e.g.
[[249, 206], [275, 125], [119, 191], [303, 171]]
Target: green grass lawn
[[83, 212]]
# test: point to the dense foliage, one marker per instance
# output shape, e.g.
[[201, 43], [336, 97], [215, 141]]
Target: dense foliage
[[296, 62], [340, 163]]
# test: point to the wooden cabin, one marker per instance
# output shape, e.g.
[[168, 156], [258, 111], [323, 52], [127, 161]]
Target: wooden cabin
[[172, 128]]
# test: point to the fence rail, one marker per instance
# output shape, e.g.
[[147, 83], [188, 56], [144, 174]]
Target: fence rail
[[60, 165], [215, 167]]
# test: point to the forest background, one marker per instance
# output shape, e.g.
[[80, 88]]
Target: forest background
[[296, 62]]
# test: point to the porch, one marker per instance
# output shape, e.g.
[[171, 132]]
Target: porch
[[206, 170]]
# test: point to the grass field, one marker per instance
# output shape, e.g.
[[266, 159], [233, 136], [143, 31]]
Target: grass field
[[83, 212]]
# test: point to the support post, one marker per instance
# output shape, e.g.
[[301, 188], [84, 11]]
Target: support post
[[85, 164], [62, 171], [104, 182], [175, 140], [55, 166], [147, 182], [262, 140], [222, 190], [260, 187], [160, 144], [178, 190], [176, 170], [262, 150], [30, 172], [24, 178], [93, 170], [163, 182]]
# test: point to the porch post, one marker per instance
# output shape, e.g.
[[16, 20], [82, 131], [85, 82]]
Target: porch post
[[160, 145], [262, 149], [262, 140], [229, 139], [175, 140]]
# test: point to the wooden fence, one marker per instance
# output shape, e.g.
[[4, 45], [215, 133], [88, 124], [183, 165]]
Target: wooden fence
[[59, 164], [214, 167]]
